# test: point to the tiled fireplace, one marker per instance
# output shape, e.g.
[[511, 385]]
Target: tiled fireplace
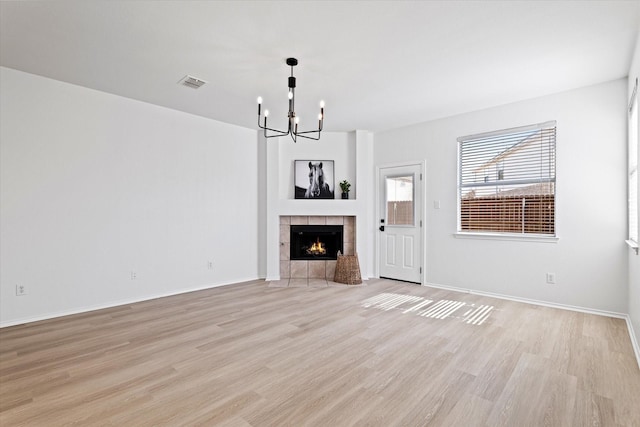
[[313, 268]]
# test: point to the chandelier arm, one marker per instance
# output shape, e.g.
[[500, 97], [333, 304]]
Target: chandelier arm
[[274, 136], [281, 132], [274, 130], [307, 131], [308, 137], [312, 131]]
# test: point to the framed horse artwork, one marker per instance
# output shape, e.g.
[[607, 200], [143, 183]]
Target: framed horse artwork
[[314, 179]]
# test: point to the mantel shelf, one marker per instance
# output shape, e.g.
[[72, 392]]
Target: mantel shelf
[[318, 207]]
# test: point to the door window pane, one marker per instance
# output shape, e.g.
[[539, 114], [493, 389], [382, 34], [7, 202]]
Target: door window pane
[[400, 209]]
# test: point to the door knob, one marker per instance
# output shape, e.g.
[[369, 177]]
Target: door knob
[[382, 228]]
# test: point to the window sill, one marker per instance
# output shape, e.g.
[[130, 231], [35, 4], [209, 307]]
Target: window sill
[[633, 245], [512, 237]]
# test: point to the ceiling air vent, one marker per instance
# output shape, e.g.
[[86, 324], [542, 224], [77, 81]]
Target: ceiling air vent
[[192, 82]]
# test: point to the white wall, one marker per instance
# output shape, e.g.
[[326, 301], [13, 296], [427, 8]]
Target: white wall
[[634, 260], [590, 258], [337, 146], [94, 186]]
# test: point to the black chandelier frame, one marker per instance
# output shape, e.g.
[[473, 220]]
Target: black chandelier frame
[[293, 120]]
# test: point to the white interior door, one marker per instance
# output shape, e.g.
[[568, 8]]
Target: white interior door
[[400, 243]]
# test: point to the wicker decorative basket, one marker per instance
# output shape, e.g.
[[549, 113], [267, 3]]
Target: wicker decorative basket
[[348, 270]]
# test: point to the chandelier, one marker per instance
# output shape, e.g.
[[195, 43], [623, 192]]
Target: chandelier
[[292, 127]]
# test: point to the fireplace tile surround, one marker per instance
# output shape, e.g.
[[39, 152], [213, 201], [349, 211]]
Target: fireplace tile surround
[[319, 269]]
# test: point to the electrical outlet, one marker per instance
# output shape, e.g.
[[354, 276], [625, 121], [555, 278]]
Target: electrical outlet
[[551, 278], [210, 265], [134, 275], [21, 290]]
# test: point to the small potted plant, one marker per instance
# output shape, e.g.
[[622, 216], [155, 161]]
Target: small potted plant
[[345, 186]]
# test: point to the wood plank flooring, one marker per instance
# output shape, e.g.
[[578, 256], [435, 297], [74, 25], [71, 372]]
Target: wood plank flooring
[[253, 355]]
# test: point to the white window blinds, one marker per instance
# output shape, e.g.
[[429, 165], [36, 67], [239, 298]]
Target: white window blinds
[[507, 181]]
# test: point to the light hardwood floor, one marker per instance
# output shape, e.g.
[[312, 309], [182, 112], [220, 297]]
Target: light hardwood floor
[[253, 355]]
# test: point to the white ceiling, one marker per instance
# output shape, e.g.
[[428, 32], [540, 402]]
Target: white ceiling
[[377, 64]]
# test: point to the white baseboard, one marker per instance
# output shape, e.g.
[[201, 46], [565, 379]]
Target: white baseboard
[[532, 301], [276, 278], [111, 304], [634, 340], [632, 335]]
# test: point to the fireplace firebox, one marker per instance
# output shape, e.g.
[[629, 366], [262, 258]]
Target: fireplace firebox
[[316, 242]]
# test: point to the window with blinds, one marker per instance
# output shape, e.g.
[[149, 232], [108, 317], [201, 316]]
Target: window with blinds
[[633, 167], [507, 181]]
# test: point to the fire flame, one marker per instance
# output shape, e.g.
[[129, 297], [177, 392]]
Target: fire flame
[[317, 248]]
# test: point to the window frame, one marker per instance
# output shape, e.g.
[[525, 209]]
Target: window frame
[[505, 235], [633, 144]]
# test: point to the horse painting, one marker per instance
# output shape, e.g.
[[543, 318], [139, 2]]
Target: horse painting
[[318, 188], [317, 180]]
